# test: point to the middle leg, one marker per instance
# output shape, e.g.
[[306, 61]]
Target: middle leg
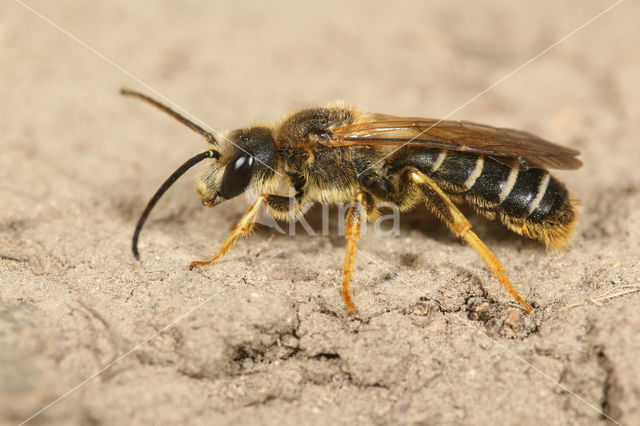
[[356, 212]]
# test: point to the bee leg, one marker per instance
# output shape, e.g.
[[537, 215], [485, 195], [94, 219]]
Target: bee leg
[[246, 224], [285, 208], [355, 213], [444, 208], [377, 185]]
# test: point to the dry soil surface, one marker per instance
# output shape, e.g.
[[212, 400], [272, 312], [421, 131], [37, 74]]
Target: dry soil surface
[[90, 336]]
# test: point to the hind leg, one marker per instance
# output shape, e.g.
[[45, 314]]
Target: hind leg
[[444, 208]]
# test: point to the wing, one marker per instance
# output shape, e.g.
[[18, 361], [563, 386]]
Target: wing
[[505, 145]]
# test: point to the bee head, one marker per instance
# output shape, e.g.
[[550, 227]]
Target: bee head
[[247, 159], [243, 160]]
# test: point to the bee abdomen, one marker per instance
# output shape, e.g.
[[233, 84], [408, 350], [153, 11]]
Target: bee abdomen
[[529, 202]]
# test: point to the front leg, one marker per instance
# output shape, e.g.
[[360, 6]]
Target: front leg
[[246, 225], [278, 206], [285, 208]]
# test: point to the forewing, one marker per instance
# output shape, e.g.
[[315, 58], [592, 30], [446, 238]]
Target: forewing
[[508, 146]]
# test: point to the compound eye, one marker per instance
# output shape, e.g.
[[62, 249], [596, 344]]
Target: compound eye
[[237, 176]]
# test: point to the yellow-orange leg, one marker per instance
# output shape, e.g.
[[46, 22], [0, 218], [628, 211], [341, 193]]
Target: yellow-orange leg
[[444, 208], [243, 227], [352, 235]]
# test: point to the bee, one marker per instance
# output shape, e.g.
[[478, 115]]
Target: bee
[[339, 154]]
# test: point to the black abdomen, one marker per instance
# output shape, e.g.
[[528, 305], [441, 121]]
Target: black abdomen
[[529, 202]]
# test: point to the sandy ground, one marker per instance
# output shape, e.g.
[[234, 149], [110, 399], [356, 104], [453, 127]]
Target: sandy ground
[[263, 336]]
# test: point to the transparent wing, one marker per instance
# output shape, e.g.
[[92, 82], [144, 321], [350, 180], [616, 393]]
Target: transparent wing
[[505, 145]]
